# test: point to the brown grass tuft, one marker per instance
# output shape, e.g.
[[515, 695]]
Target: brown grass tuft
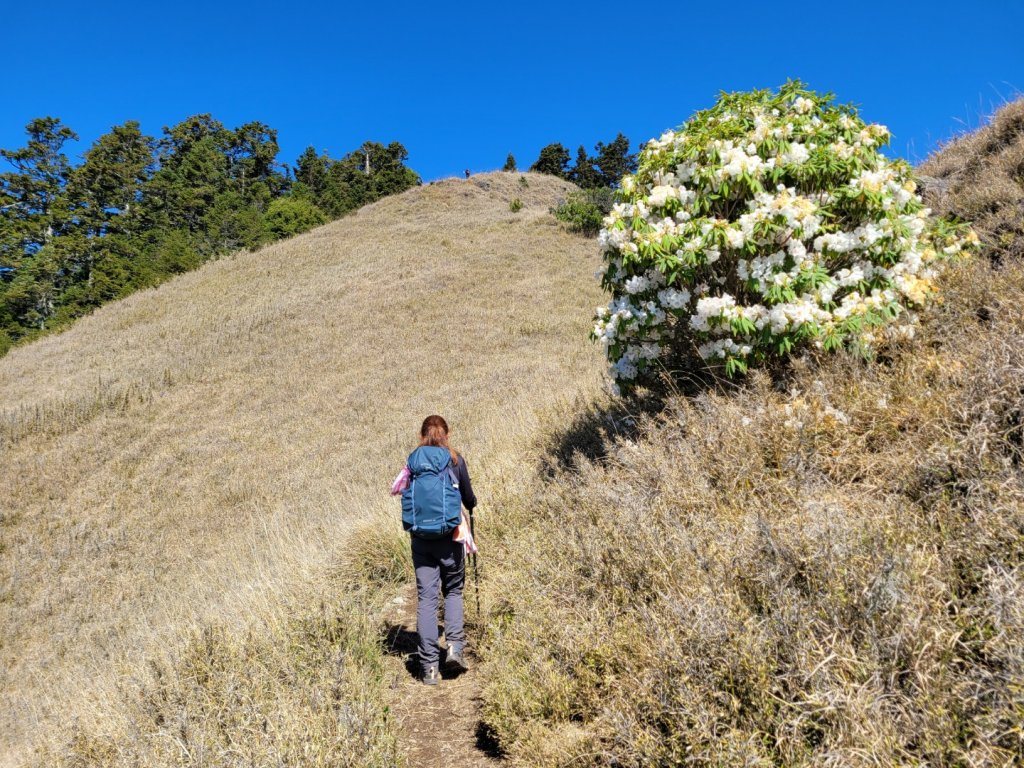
[[980, 178]]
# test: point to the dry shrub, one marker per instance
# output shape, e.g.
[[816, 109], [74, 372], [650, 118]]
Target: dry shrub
[[308, 691], [304, 684], [828, 573], [980, 178], [378, 553], [824, 568]]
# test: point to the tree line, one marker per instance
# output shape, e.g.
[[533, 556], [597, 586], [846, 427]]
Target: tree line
[[598, 175], [138, 209], [603, 169]]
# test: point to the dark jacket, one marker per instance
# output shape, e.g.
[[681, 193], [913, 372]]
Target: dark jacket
[[465, 487]]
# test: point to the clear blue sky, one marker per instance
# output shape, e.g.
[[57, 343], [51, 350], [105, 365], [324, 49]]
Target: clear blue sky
[[461, 85]]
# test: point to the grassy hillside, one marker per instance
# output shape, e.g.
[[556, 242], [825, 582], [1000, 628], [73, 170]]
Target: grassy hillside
[[189, 462], [821, 568], [824, 566]]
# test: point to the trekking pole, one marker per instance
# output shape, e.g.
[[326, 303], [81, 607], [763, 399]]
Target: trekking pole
[[476, 573]]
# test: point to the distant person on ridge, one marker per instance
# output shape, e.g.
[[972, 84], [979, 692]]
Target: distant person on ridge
[[434, 485], [467, 173]]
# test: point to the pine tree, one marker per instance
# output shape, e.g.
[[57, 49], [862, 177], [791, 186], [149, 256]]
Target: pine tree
[[510, 163], [193, 172], [311, 171], [11, 246], [583, 173], [180, 139], [103, 191], [614, 161], [553, 160], [252, 162], [101, 202], [29, 221], [28, 193], [390, 175]]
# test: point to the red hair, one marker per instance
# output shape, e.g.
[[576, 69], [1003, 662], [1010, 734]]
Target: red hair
[[435, 432]]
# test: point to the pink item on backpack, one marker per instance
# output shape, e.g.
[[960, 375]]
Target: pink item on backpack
[[464, 534], [401, 482]]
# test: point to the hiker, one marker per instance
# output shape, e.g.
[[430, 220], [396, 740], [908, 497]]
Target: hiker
[[434, 485], [467, 173]]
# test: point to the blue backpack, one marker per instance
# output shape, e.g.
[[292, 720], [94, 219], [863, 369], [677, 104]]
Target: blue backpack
[[431, 505]]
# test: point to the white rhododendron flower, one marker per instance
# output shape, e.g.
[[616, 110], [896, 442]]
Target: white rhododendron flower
[[767, 222], [674, 299], [795, 154], [802, 105]]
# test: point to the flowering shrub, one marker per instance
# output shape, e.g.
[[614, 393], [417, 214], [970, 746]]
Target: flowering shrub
[[767, 222]]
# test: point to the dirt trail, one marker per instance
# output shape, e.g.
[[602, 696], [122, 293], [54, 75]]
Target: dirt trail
[[438, 725]]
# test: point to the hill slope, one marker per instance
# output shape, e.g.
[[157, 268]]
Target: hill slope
[[195, 450]]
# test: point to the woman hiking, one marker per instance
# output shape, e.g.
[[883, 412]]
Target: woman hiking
[[434, 485]]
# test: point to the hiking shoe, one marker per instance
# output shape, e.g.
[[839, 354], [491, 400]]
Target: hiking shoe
[[431, 675], [455, 659]]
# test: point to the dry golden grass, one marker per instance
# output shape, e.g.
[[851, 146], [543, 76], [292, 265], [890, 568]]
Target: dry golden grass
[[820, 568], [980, 178], [190, 461]]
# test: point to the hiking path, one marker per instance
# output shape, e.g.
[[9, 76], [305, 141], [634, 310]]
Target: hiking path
[[437, 725]]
